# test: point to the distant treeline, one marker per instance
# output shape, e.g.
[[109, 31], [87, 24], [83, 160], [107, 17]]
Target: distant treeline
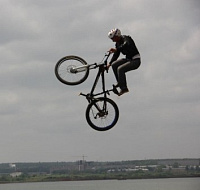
[[50, 167]]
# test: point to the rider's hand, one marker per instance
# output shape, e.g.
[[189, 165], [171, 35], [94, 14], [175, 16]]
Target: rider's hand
[[112, 50], [108, 66]]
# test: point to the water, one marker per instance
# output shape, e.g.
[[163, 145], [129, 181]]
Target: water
[[143, 184]]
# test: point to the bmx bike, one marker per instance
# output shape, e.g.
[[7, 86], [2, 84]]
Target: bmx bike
[[101, 113]]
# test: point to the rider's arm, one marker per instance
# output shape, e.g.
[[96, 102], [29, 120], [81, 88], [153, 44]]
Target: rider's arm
[[115, 56]]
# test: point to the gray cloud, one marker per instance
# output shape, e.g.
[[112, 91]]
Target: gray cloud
[[44, 120]]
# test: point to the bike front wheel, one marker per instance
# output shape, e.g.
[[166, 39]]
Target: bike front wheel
[[102, 114], [71, 70]]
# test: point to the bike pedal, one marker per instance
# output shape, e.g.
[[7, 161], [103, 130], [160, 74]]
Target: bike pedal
[[115, 90]]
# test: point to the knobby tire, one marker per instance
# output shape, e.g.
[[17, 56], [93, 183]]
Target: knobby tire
[[63, 70], [98, 121]]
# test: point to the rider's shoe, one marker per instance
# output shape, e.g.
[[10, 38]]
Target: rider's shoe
[[123, 91]]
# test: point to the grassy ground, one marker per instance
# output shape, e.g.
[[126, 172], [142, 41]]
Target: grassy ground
[[92, 176]]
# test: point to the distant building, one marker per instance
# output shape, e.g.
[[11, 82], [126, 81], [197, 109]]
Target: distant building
[[182, 162], [16, 174]]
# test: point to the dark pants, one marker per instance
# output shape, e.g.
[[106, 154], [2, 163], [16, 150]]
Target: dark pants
[[121, 66]]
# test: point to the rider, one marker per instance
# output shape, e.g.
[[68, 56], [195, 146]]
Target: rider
[[125, 45]]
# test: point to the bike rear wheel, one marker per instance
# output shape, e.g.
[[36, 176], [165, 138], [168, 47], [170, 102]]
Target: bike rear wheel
[[71, 70], [102, 114]]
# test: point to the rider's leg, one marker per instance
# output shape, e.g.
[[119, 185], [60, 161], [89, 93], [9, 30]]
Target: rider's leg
[[123, 68], [115, 66]]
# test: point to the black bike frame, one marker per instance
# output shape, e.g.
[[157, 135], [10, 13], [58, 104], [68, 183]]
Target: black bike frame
[[100, 73], [102, 111], [102, 69]]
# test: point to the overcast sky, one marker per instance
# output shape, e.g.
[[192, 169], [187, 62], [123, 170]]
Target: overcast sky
[[43, 120]]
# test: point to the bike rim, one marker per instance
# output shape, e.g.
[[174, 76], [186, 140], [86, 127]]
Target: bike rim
[[103, 115], [67, 72]]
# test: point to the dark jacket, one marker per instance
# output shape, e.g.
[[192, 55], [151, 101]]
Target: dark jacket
[[126, 46]]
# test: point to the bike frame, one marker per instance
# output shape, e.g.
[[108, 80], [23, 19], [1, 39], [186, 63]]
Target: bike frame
[[101, 73], [102, 113]]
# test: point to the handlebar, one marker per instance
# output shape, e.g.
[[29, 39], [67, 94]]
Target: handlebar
[[107, 55], [105, 61], [102, 63]]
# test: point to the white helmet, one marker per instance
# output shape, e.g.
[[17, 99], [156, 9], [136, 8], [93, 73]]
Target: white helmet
[[114, 32]]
